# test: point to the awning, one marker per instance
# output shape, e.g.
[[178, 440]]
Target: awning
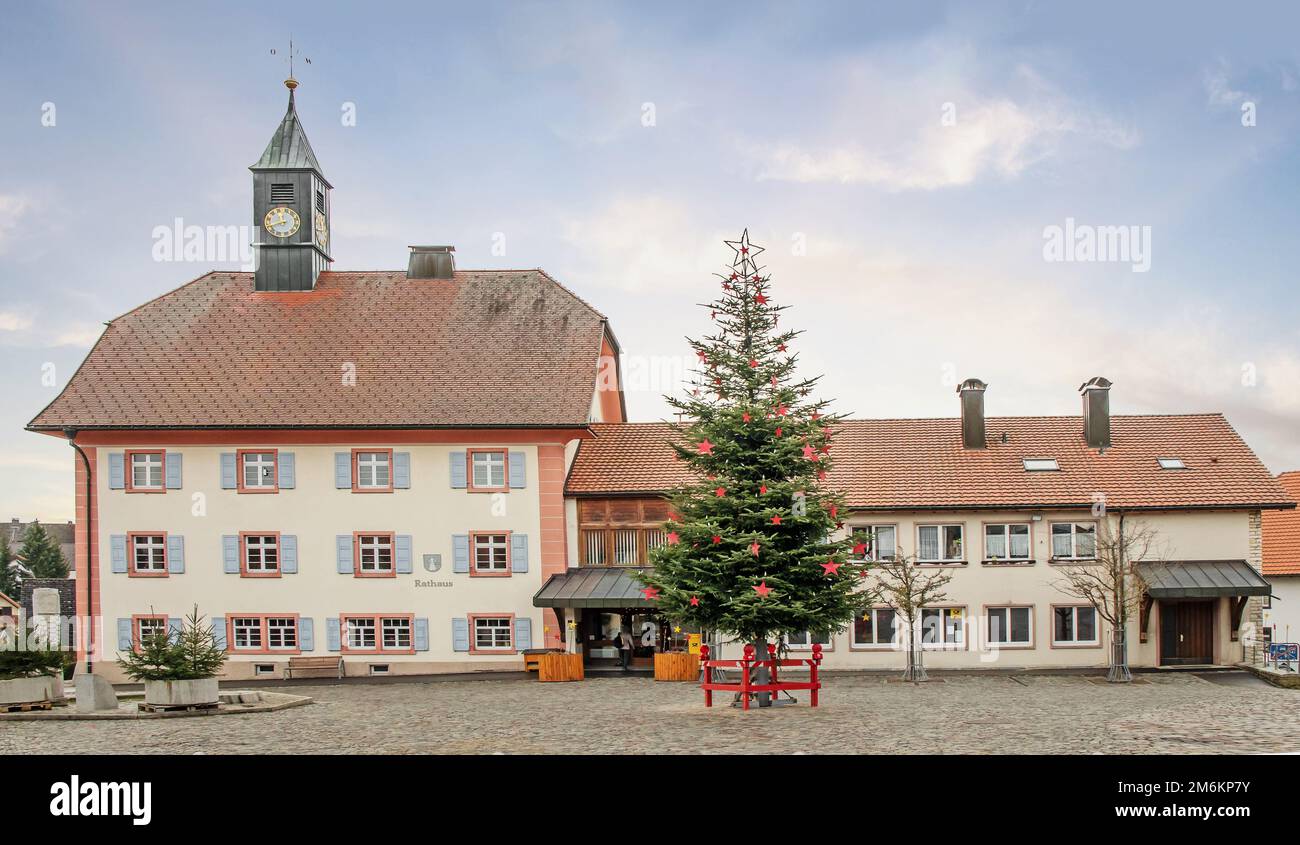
[[1202, 579], [602, 586]]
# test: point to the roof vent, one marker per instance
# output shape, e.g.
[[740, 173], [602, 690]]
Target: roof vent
[[1096, 411], [431, 262]]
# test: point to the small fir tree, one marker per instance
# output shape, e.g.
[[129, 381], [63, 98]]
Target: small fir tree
[[41, 554], [191, 653], [748, 549], [8, 572]]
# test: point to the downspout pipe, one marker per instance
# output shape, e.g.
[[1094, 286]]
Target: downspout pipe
[[71, 434]]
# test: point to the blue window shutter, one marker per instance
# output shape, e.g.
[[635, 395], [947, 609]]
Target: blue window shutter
[[460, 635], [402, 553], [117, 552], [421, 634], [343, 470], [518, 463], [518, 552], [287, 469], [289, 554], [124, 642], [230, 554], [460, 553], [174, 625], [306, 634], [116, 471], [175, 554], [458, 470], [343, 546], [219, 631], [229, 474], [402, 470], [333, 634], [172, 470], [523, 633]]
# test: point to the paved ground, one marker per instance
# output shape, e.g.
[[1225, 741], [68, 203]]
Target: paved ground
[[1168, 714]]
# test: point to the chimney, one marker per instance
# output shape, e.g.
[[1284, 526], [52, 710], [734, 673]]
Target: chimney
[[431, 262], [972, 413], [1096, 412]]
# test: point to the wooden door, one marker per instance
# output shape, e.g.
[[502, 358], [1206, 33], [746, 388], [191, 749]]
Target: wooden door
[[1186, 633]]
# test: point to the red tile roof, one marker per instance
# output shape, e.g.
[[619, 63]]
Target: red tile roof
[[485, 348], [1282, 533], [920, 464]]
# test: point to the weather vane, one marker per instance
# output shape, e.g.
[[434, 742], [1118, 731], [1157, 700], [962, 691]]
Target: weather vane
[[291, 83]]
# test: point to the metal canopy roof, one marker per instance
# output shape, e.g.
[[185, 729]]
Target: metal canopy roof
[[1198, 579], [288, 148], [611, 587]]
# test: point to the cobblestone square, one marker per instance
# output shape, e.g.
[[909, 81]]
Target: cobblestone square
[[860, 714]]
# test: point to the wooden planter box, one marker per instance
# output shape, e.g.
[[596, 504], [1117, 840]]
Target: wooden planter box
[[677, 666], [559, 667]]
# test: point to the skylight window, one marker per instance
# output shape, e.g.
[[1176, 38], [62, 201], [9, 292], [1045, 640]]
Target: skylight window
[[1171, 463], [1041, 465]]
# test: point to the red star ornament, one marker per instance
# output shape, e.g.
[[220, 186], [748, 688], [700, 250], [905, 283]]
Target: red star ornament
[[673, 538], [762, 490], [760, 299], [753, 362], [650, 593], [776, 520], [860, 549], [778, 431], [720, 492], [716, 539], [745, 416], [705, 447], [782, 410], [753, 548], [810, 453], [762, 589], [695, 601], [830, 567]]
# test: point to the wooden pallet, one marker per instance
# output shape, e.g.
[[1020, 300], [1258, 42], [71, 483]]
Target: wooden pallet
[[172, 708], [27, 707]]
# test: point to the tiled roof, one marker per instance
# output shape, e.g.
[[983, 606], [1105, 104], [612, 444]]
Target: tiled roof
[[1282, 532], [920, 464], [484, 348]]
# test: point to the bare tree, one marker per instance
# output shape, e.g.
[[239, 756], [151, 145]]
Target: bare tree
[[1111, 584], [908, 588]]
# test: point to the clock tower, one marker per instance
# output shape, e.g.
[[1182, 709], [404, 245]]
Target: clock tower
[[291, 209]]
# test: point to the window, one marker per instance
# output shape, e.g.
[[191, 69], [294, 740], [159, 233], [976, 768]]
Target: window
[[261, 554], [396, 632], [1171, 463], [875, 628], [1041, 465], [378, 633], [939, 543], [491, 554], [375, 554], [246, 633], [149, 554], [1011, 626], [942, 626], [487, 470], [145, 471], [804, 640], [320, 201], [1074, 625], [149, 626], [257, 471], [1007, 542], [1074, 540], [881, 541], [373, 470], [493, 633], [281, 632]]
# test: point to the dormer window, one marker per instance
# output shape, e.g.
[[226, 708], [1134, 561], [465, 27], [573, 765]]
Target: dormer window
[[1171, 463], [1041, 465]]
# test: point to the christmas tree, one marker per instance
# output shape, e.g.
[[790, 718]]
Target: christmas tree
[[748, 550]]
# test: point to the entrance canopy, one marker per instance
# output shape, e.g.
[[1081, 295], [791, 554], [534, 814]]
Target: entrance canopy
[[1202, 579], [608, 587]]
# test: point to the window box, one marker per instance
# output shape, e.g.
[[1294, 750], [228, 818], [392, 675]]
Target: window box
[[259, 470], [941, 544], [1075, 626], [1009, 626], [372, 470], [259, 554], [378, 633], [145, 471], [488, 470], [1074, 541], [147, 554], [492, 633], [374, 555]]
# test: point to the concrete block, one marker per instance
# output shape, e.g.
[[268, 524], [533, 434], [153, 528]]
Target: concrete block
[[94, 694]]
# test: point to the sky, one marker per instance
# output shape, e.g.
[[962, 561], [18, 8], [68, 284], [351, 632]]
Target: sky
[[912, 170]]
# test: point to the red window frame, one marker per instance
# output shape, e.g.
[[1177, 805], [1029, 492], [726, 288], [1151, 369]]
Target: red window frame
[[130, 555], [129, 484], [356, 554], [469, 471], [473, 558], [266, 639], [243, 556], [136, 639], [239, 468], [473, 640], [378, 619], [356, 475]]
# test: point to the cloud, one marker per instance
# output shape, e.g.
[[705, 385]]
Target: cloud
[[13, 209], [1219, 92], [12, 321], [78, 335]]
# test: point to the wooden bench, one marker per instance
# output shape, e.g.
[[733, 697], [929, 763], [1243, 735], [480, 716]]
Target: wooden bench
[[314, 667]]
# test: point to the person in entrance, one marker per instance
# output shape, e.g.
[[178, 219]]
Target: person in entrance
[[625, 649]]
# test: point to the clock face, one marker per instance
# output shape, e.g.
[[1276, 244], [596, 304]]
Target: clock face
[[281, 221], [322, 231]]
